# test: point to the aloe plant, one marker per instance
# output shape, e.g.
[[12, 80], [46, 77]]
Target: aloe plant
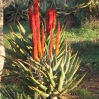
[[49, 76]]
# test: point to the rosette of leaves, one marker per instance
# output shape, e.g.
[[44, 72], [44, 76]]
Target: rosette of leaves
[[15, 11], [49, 76]]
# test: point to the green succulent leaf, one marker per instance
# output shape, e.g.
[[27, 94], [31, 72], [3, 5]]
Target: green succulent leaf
[[38, 83], [72, 86], [21, 28], [57, 64], [43, 94], [61, 77], [51, 79]]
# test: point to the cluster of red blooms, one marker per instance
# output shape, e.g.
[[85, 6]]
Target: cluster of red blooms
[[37, 37]]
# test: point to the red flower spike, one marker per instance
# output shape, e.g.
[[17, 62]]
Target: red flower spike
[[42, 44], [50, 20], [48, 26], [37, 23], [39, 43], [35, 51], [51, 44], [57, 39], [34, 39]]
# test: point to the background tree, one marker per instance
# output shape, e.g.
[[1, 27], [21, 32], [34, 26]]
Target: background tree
[[3, 3]]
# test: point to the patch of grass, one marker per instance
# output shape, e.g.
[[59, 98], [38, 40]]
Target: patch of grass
[[89, 52], [81, 34], [84, 94]]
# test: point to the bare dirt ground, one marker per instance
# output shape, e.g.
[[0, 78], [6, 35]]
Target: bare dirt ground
[[91, 83]]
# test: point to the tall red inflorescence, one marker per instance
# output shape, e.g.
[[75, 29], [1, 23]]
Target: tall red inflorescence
[[50, 20], [34, 22], [37, 23], [50, 25], [57, 39], [34, 39]]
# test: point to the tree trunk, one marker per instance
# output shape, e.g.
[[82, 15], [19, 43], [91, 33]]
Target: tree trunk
[[2, 51]]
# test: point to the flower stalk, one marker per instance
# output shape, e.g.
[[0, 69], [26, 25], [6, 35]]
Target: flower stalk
[[57, 39]]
